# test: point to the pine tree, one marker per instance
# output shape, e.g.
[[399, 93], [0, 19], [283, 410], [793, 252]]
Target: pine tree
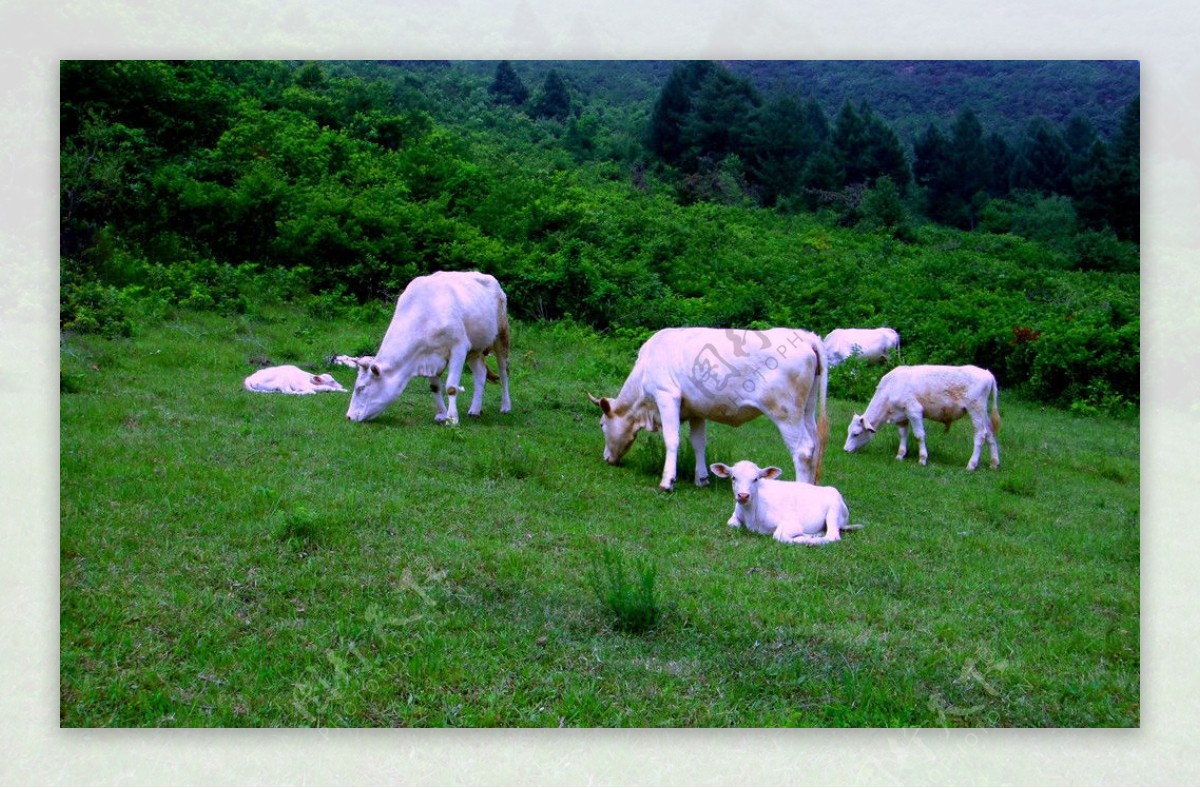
[[554, 101], [665, 137], [1043, 161], [506, 87], [1126, 156]]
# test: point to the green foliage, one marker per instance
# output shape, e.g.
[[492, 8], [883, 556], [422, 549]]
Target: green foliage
[[334, 184], [627, 594]]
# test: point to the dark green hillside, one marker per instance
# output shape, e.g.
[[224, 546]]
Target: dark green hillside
[[1006, 94]]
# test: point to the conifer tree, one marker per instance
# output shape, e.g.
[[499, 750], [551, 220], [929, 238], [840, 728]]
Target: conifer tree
[[554, 101], [507, 87]]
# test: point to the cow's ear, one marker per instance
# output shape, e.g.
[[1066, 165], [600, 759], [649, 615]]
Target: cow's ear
[[720, 469], [317, 379], [772, 472], [375, 370], [602, 403]]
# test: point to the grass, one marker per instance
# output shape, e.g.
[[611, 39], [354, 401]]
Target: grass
[[238, 559]]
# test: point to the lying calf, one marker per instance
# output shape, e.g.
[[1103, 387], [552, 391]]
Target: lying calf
[[291, 379], [793, 512]]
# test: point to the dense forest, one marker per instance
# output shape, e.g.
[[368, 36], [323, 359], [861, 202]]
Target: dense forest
[[989, 211]]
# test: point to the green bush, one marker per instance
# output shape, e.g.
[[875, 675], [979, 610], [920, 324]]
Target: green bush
[[630, 601]]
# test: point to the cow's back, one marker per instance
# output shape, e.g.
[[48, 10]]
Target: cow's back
[[445, 305]]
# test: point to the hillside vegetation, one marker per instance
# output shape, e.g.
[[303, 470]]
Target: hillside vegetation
[[210, 184]]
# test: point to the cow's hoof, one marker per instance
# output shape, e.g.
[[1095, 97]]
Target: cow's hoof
[[703, 481]]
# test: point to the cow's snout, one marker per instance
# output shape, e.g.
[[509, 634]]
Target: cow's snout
[[743, 497]]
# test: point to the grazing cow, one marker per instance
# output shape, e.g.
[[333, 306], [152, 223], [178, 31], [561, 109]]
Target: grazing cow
[[729, 376], [290, 379], [792, 512], [909, 395], [441, 321], [872, 344]]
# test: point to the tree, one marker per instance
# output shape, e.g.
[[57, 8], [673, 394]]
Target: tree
[[1126, 155], [867, 148], [665, 136], [554, 101], [785, 135], [507, 87], [1043, 161]]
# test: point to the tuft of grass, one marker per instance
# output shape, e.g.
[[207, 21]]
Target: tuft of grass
[[629, 599], [299, 529]]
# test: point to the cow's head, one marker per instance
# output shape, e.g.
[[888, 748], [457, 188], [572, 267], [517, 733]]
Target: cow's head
[[620, 427], [859, 434], [374, 389], [746, 476]]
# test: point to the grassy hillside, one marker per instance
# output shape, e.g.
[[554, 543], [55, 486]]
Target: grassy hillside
[[238, 559]]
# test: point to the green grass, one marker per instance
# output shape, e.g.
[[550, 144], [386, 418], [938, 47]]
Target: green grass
[[239, 559]]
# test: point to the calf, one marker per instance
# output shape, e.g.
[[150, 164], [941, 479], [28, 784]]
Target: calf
[[290, 379], [909, 395], [792, 512]]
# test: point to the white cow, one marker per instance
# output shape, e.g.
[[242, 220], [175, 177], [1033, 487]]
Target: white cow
[[290, 379], [729, 376], [792, 512], [873, 344], [908, 395], [441, 321]]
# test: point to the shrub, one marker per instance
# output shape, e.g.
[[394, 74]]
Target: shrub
[[631, 602]]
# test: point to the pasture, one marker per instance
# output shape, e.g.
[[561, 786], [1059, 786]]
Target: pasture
[[239, 559]]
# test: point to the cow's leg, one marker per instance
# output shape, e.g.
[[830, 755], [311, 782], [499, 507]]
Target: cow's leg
[[668, 412], [478, 381], [458, 358], [698, 430], [902, 428], [918, 428], [983, 431], [435, 385], [802, 445]]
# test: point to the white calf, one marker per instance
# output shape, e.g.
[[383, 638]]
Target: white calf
[[792, 512], [290, 379]]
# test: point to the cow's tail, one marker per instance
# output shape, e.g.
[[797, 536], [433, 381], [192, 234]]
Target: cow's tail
[[503, 337], [995, 414], [822, 382]]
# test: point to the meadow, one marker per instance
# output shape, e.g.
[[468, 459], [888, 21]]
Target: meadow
[[237, 559]]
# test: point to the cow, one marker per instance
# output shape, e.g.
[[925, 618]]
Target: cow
[[792, 512], [909, 395], [872, 344], [290, 379], [728, 376], [441, 321]]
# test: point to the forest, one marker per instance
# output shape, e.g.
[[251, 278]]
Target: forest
[[988, 211]]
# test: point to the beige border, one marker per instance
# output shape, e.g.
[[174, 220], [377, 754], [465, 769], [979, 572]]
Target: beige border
[[1161, 33]]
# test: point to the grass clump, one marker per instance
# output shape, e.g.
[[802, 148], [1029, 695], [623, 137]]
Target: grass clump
[[629, 600], [298, 529]]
